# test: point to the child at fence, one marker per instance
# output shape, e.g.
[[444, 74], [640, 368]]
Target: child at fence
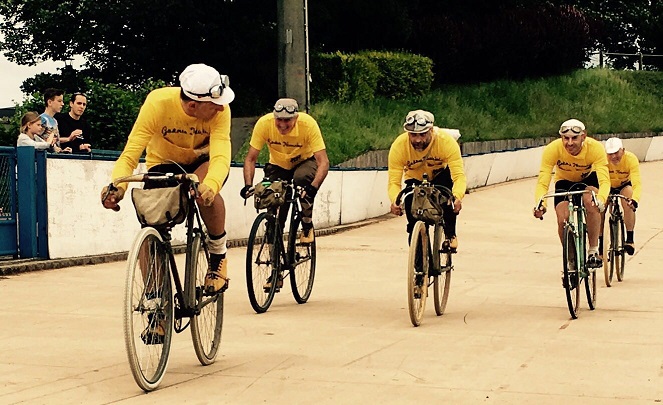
[[31, 127]]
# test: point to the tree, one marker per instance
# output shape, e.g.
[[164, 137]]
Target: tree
[[129, 41], [621, 26]]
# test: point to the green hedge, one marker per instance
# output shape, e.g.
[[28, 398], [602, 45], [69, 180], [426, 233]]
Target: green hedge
[[366, 75]]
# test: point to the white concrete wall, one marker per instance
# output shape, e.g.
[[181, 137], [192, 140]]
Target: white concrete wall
[[79, 226]]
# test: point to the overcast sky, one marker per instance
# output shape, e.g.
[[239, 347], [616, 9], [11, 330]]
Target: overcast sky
[[13, 75]]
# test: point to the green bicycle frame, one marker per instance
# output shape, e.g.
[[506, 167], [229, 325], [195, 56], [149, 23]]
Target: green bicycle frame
[[576, 222]]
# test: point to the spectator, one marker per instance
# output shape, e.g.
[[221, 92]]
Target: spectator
[[74, 130], [31, 128], [53, 102]]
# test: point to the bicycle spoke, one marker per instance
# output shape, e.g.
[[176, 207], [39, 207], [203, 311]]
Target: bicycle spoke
[[260, 256], [148, 318]]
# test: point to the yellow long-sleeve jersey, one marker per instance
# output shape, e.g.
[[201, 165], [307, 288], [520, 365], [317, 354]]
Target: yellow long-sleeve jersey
[[169, 134], [628, 169], [406, 162], [573, 168]]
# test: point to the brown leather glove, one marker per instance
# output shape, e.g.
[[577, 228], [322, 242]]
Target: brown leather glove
[[206, 194], [111, 199]]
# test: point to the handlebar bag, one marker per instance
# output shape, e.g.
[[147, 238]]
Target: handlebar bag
[[427, 204], [161, 207], [269, 195]]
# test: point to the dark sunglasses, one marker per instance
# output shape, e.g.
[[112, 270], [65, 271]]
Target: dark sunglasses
[[290, 109], [215, 91]]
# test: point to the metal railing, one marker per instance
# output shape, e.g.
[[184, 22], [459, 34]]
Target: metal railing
[[639, 55]]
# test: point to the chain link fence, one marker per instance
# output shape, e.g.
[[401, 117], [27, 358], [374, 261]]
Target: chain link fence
[[7, 170]]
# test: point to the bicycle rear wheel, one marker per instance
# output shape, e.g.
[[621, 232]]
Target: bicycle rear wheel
[[148, 309], [417, 278], [261, 266], [207, 325], [608, 255], [442, 281], [302, 258], [570, 276], [620, 264]]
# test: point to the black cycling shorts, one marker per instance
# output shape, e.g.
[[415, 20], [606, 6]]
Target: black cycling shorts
[[566, 185]]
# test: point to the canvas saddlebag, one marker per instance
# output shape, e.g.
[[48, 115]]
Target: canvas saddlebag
[[158, 207]]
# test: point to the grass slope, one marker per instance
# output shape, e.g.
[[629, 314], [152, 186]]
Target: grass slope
[[606, 101]]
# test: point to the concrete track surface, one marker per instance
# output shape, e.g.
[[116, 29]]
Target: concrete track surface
[[506, 336]]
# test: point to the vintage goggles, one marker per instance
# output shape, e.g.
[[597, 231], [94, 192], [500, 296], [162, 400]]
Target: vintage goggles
[[575, 129], [215, 91], [290, 109], [421, 121]]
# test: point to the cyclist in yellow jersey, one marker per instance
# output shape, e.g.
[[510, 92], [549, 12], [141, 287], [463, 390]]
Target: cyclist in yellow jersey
[[425, 148], [296, 152], [187, 128], [579, 163], [624, 168]]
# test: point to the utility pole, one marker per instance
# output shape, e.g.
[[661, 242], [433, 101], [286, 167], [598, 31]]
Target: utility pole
[[293, 72]]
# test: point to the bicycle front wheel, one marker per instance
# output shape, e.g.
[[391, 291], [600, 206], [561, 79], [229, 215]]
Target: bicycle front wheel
[[302, 261], [417, 277], [442, 281], [148, 309], [570, 276], [207, 324], [620, 263], [261, 257]]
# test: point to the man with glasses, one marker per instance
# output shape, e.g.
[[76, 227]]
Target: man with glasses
[[296, 152], [187, 129], [74, 130], [579, 163], [427, 149], [624, 168]]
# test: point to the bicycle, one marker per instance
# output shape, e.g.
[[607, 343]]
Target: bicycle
[[615, 256], [574, 247], [149, 301], [426, 266], [273, 255]]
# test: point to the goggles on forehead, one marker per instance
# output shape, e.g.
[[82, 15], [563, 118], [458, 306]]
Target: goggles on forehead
[[215, 91], [290, 109], [575, 129], [418, 119]]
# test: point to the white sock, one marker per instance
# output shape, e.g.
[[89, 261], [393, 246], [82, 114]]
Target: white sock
[[217, 244], [592, 250]]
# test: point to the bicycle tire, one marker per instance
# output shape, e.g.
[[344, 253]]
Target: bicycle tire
[[302, 260], [147, 258], [207, 324], [570, 275], [417, 278], [589, 279], [441, 282], [621, 263], [260, 263], [608, 256]]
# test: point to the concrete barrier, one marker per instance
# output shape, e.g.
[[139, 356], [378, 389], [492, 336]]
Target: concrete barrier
[[79, 226]]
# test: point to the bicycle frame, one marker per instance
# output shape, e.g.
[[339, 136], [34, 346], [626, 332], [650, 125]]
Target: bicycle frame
[[185, 306], [616, 213], [286, 260], [576, 222]]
